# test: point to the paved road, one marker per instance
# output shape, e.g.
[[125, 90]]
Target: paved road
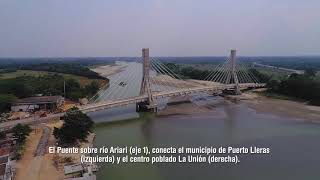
[[31, 120], [280, 68]]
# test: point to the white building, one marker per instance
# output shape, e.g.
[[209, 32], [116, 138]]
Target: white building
[[37, 103]]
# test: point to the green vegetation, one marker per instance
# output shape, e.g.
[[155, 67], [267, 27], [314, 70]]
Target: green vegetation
[[8, 70], [187, 72], [53, 84], [25, 80], [2, 134], [261, 77], [5, 101], [75, 128], [81, 79], [18, 151], [311, 72], [301, 63], [20, 132], [280, 85], [67, 68], [306, 87], [92, 88], [275, 95], [190, 72]]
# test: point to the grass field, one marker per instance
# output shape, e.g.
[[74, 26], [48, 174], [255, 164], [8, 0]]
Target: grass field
[[82, 80]]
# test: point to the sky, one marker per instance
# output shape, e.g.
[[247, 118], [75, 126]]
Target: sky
[[100, 28]]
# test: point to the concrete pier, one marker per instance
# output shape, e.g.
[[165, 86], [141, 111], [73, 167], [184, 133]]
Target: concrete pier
[[234, 75], [149, 105], [146, 107]]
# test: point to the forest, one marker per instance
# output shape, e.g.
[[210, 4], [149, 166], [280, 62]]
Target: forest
[[52, 84], [305, 87], [68, 68], [190, 72], [187, 72], [299, 63]]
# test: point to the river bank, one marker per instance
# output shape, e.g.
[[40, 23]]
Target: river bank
[[31, 167], [217, 121], [261, 104], [109, 70], [287, 108], [201, 120]]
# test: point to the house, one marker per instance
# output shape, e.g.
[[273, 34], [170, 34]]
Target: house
[[2, 171], [37, 103], [74, 169], [80, 172], [7, 167]]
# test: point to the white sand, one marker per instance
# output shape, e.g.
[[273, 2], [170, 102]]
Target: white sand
[[109, 70]]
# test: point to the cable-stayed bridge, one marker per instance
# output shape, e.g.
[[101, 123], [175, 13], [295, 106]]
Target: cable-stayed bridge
[[143, 83]]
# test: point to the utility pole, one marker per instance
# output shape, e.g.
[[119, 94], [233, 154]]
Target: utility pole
[[64, 88], [64, 92]]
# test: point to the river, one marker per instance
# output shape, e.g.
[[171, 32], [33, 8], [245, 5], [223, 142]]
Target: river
[[294, 144]]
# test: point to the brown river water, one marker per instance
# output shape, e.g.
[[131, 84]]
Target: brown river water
[[213, 121]]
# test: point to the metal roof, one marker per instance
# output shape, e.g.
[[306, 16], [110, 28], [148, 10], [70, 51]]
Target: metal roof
[[4, 159], [39, 100]]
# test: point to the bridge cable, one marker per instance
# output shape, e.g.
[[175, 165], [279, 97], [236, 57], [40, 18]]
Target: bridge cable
[[173, 76], [221, 72], [218, 72], [159, 80], [116, 82], [214, 72], [132, 78]]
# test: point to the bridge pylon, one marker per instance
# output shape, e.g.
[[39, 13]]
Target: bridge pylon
[[233, 74], [145, 88]]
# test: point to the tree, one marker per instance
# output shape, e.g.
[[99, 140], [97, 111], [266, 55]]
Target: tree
[[5, 101], [2, 135], [92, 88], [298, 86], [69, 68], [21, 132], [310, 72], [16, 86], [273, 85], [76, 127], [48, 85], [263, 78]]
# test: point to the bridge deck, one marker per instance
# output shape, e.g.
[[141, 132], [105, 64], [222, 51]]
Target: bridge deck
[[157, 95]]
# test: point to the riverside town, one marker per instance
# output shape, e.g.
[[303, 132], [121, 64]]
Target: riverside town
[[159, 89]]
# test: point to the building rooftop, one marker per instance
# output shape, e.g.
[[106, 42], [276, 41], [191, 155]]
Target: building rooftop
[[2, 169], [4, 159], [39, 100]]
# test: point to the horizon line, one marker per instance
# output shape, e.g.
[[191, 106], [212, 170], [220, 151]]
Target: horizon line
[[51, 57]]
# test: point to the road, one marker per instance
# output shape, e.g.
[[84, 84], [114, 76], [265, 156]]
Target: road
[[116, 103], [180, 92], [31, 120], [280, 68]]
